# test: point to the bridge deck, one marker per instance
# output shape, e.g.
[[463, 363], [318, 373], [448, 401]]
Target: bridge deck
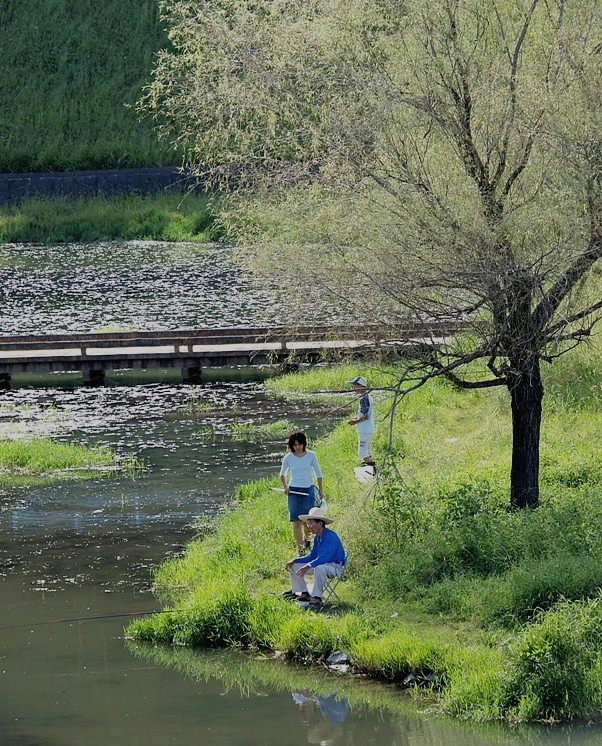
[[191, 350]]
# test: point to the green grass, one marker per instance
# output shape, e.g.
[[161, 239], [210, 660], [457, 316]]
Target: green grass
[[167, 217], [487, 606], [71, 74], [42, 460], [255, 431]]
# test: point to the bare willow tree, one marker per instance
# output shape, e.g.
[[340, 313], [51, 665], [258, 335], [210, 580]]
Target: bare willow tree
[[438, 161]]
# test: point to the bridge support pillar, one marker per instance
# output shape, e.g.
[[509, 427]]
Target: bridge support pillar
[[93, 376], [5, 382], [192, 374]]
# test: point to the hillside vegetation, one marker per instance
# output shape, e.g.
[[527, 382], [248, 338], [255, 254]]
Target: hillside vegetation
[[70, 73]]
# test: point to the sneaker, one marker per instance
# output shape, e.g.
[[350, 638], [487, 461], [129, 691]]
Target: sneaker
[[315, 603], [289, 596]]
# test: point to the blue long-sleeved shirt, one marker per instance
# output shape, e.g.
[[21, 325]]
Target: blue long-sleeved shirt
[[327, 547]]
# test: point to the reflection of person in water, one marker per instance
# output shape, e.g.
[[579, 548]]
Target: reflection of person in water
[[333, 712], [333, 709]]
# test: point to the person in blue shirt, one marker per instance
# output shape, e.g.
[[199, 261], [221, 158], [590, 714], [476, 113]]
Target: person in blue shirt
[[326, 560]]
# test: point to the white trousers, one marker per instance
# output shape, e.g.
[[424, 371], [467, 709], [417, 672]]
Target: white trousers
[[321, 575], [364, 445]]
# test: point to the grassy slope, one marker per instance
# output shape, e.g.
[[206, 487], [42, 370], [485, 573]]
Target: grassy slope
[[70, 72], [502, 605]]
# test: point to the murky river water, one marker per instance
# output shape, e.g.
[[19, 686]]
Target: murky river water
[[76, 558]]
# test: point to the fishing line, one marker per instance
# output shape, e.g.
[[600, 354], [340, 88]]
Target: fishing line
[[82, 619]]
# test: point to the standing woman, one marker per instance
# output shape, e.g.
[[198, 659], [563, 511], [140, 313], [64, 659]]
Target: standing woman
[[300, 465]]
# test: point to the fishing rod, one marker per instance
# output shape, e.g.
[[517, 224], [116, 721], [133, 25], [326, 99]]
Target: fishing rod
[[354, 399], [82, 619], [290, 492]]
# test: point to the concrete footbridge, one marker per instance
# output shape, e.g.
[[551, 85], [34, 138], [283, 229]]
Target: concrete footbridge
[[192, 350]]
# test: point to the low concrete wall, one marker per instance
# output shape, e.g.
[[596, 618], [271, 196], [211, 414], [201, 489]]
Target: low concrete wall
[[109, 183]]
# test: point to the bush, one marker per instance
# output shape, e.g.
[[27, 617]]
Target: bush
[[555, 665]]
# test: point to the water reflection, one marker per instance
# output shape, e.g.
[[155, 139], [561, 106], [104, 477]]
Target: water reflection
[[321, 715], [140, 285], [312, 706], [332, 708]]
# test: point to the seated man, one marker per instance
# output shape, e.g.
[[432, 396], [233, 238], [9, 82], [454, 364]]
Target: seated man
[[326, 560]]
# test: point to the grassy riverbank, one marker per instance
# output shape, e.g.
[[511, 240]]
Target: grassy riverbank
[[499, 610], [166, 217], [25, 462]]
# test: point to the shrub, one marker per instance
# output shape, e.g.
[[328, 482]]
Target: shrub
[[554, 670]]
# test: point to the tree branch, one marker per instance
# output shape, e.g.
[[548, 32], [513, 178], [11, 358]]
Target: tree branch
[[558, 292]]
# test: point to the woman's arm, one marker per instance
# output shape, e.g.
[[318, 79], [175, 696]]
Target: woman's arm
[[283, 472]]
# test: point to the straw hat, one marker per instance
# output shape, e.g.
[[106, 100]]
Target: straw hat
[[315, 514]]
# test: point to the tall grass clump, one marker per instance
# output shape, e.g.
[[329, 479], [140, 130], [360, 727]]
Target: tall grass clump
[[43, 454], [35, 460], [269, 616], [165, 217], [309, 637], [213, 622], [401, 652]]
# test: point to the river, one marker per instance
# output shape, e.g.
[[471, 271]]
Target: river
[[76, 558]]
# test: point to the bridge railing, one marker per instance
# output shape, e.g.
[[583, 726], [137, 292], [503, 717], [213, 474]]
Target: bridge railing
[[232, 335]]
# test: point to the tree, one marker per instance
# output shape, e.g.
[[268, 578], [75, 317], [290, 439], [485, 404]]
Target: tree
[[446, 155]]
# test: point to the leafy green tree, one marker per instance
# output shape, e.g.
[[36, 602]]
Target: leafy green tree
[[435, 161]]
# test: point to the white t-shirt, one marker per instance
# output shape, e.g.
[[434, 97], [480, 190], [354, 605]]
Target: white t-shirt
[[366, 406], [301, 469]]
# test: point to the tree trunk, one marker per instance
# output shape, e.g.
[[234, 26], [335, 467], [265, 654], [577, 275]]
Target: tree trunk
[[526, 392]]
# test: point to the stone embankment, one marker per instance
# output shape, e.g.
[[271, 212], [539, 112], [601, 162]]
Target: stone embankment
[[106, 183]]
